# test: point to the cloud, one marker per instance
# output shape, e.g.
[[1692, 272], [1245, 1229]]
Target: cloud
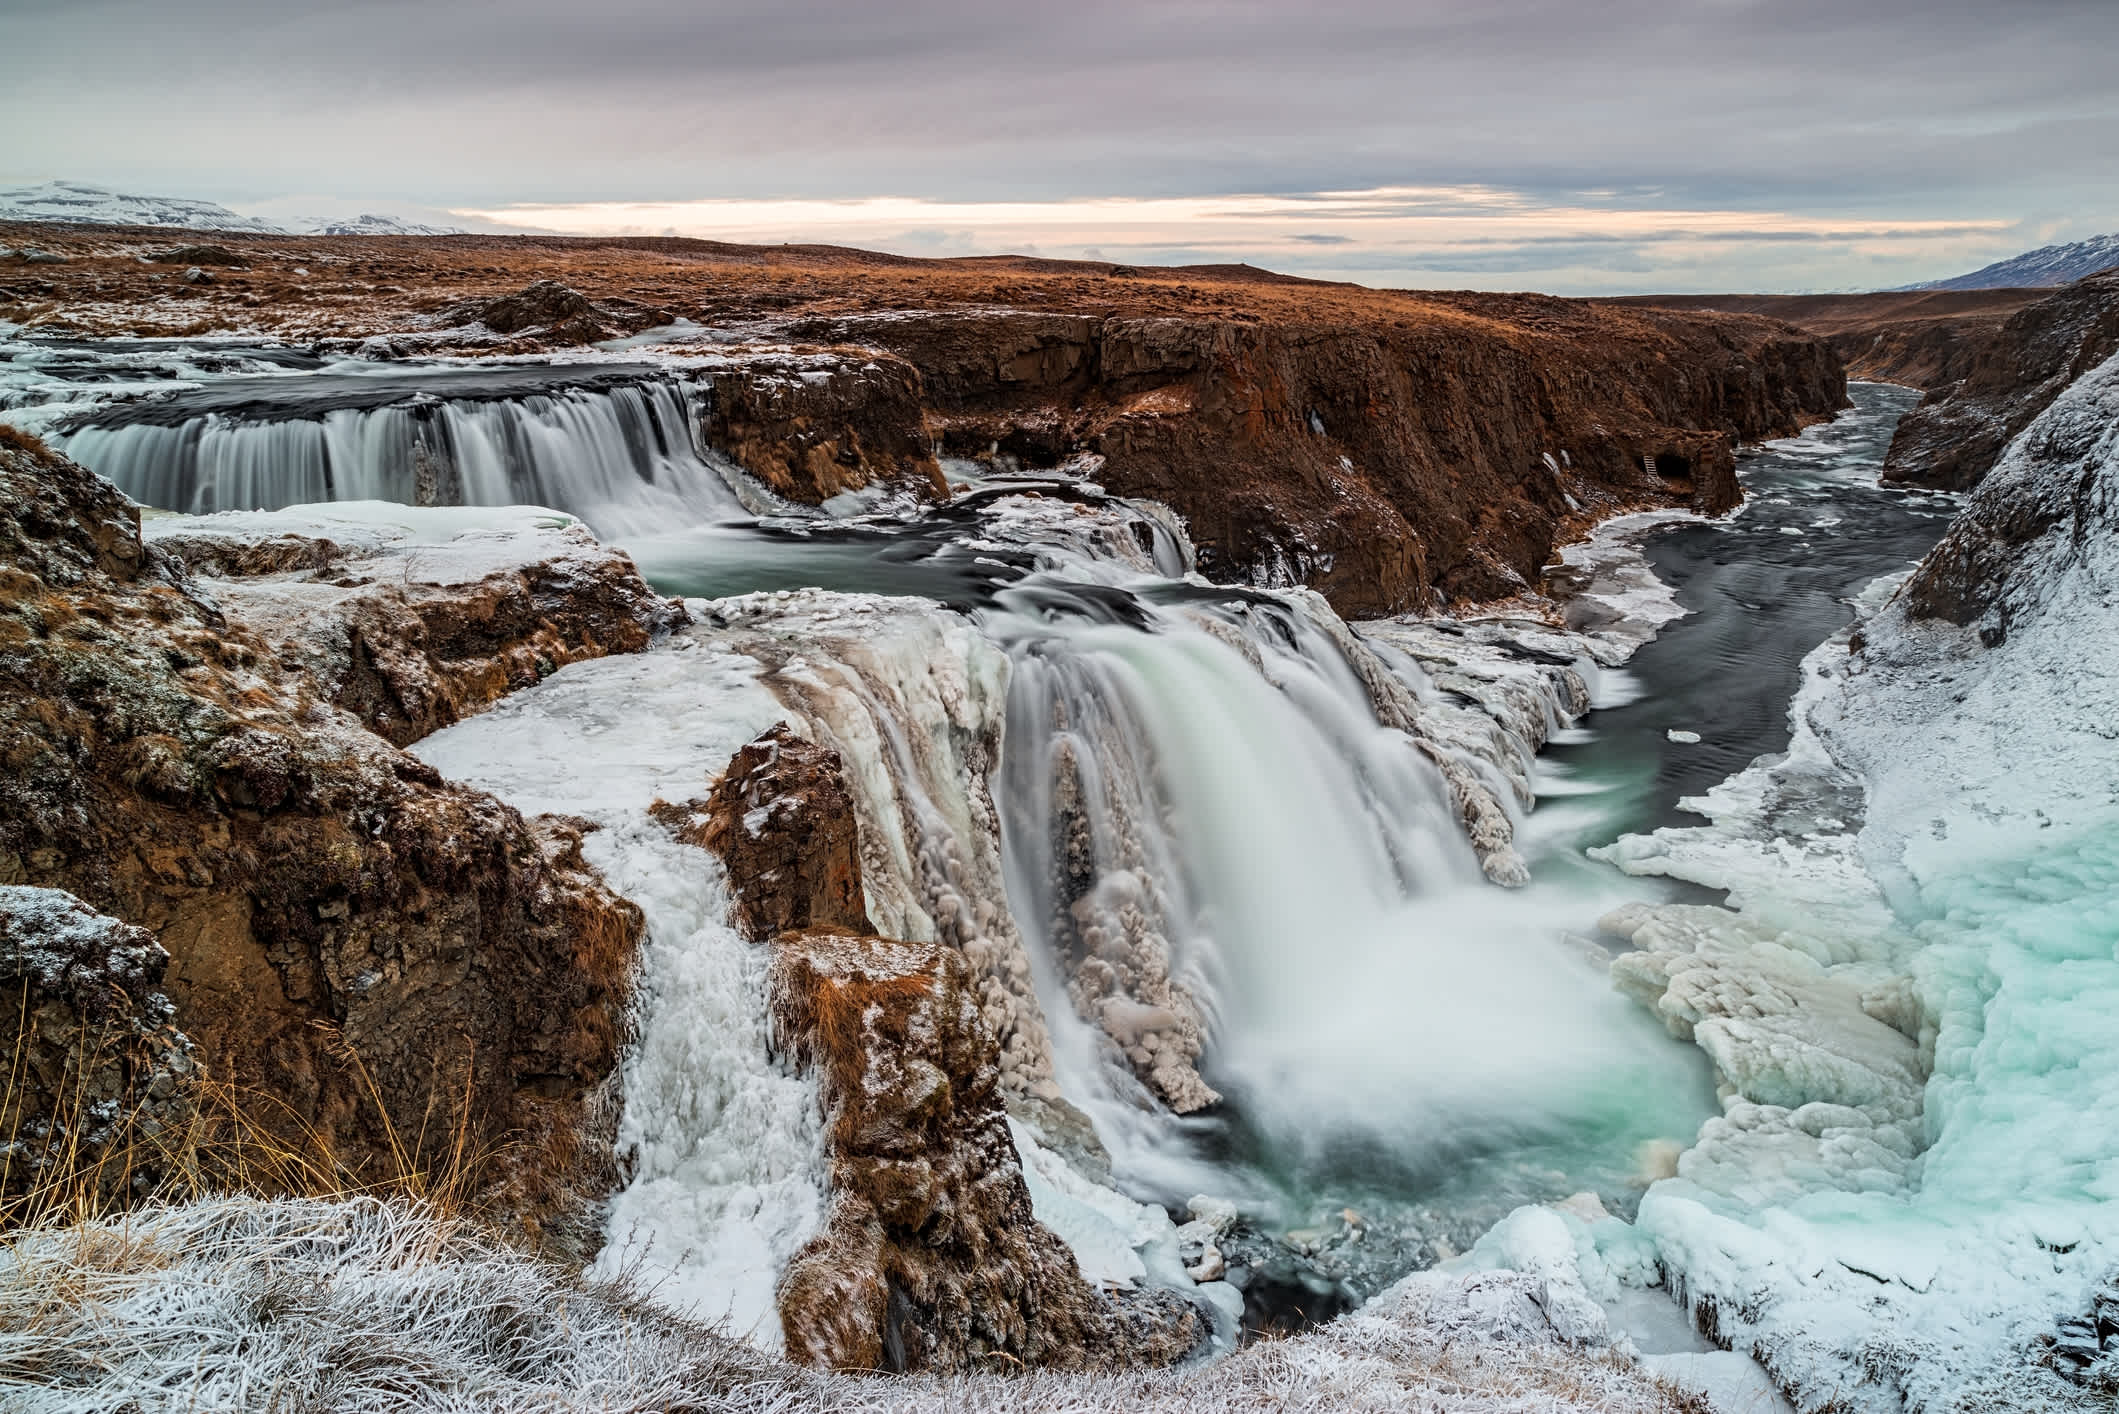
[[1816, 109]]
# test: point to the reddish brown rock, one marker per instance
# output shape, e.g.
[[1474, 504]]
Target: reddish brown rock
[[930, 1259], [409, 637], [322, 895], [1959, 430], [1920, 338], [782, 821], [1382, 445], [811, 429], [553, 314], [1378, 458]]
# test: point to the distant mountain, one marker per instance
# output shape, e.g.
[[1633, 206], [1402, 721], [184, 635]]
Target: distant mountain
[[2038, 269], [99, 206], [370, 224]]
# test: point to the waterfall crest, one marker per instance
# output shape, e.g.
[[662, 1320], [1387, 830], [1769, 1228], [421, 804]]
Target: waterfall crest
[[620, 452]]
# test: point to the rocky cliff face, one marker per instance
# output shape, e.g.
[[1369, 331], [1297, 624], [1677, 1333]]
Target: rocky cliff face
[[2047, 509], [323, 897], [1381, 446], [1381, 460], [1954, 437], [810, 433], [1919, 338]]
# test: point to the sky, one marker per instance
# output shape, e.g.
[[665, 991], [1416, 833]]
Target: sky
[[1574, 146]]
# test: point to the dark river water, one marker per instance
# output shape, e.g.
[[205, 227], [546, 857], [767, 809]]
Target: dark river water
[[1761, 589]]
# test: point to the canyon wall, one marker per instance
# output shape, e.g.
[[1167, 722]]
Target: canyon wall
[[1918, 338], [1959, 430], [1384, 460], [1385, 447]]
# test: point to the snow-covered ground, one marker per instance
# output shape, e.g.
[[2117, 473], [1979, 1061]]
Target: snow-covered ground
[[1915, 1001], [362, 1306]]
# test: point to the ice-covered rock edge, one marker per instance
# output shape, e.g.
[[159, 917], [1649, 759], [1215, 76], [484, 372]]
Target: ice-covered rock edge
[[1909, 1202]]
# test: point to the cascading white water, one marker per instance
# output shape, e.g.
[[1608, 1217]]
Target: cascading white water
[[1240, 881], [625, 458]]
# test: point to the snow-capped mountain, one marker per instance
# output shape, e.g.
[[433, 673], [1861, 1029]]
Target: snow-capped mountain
[[99, 206], [368, 223], [2038, 269]]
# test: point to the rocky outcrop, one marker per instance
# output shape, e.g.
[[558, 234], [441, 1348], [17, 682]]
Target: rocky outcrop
[[913, 702], [553, 314], [781, 819], [1380, 460], [98, 1100], [407, 634], [394, 968], [930, 1258], [810, 431], [1960, 428]]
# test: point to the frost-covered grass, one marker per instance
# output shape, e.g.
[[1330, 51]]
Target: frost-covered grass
[[366, 1305]]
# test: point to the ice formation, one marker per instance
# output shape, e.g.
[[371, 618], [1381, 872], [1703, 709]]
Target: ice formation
[[1909, 1201], [721, 1142]]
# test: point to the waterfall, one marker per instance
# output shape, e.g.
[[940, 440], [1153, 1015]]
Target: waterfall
[[1244, 884], [620, 453]]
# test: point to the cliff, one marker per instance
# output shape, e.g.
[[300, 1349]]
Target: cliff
[[1954, 437], [388, 967], [1920, 338], [1379, 457]]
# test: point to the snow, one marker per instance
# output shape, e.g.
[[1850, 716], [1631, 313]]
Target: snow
[[79, 202], [2041, 268], [724, 1144], [365, 1306], [369, 223], [1915, 1004], [504, 536]]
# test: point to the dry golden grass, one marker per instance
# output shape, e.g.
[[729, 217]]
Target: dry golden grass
[[24, 441], [239, 1140]]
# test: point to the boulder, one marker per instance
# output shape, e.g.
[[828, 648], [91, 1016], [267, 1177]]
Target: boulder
[[553, 314], [782, 821]]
